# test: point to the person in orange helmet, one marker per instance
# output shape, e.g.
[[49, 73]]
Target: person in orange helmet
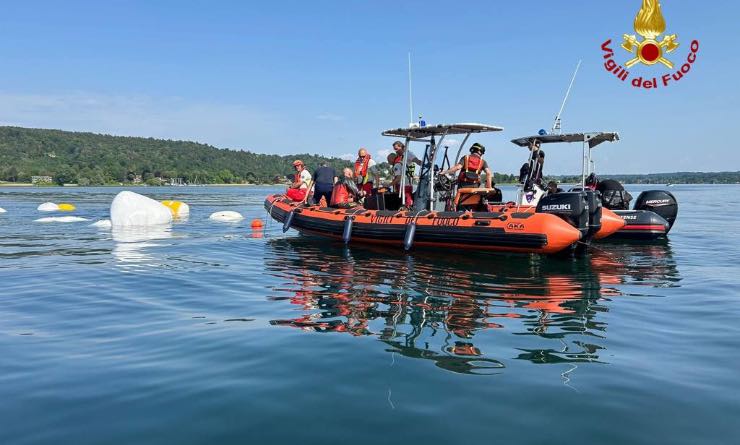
[[299, 188]]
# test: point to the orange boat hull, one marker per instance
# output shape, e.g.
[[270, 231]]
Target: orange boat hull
[[504, 229]]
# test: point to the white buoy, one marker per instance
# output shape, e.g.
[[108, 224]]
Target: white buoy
[[60, 219], [2, 210], [226, 216], [48, 207], [133, 209], [102, 224]]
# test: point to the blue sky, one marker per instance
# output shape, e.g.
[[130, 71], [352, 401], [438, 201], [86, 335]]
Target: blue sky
[[328, 76]]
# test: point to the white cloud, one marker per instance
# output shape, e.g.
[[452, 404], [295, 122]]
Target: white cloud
[[329, 117], [222, 125], [347, 157]]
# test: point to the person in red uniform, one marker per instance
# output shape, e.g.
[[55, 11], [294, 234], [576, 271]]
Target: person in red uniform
[[470, 167], [345, 193], [364, 166], [299, 188]]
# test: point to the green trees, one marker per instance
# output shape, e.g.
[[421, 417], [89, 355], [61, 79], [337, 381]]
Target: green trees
[[96, 159]]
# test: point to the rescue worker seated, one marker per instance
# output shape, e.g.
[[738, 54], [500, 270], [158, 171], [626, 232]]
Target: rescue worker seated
[[345, 194], [298, 190], [470, 167]]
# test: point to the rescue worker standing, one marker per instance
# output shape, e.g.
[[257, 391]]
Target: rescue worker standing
[[299, 188], [345, 193], [364, 166], [400, 151], [324, 177], [470, 168]]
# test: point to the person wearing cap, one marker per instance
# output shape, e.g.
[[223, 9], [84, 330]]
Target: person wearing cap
[[364, 167], [399, 152], [299, 188], [470, 168]]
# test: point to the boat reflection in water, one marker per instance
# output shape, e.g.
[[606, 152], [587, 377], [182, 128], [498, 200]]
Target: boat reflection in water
[[449, 307]]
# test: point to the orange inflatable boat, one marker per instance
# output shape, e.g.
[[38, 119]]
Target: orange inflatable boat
[[445, 217]]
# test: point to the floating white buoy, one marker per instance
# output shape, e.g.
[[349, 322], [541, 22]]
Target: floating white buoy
[[103, 224], [61, 219], [179, 209], [2, 210], [226, 216], [48, 207], [133, 209]]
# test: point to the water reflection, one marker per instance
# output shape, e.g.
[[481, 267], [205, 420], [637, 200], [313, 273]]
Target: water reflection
[[134, 245], [452, 309]]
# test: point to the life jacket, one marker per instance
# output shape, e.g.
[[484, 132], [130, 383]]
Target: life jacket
[[361, 168], [340, 195], [470, 173]]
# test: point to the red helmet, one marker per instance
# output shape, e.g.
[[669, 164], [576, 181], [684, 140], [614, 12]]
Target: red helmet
[[297, 162]]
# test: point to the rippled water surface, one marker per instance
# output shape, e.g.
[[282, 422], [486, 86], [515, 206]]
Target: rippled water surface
[[208, 332]]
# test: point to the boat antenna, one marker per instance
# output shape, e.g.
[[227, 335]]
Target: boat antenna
[[411, 102], [556, 124]]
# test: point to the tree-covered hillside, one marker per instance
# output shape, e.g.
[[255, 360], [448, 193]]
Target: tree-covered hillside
[[89, 159]]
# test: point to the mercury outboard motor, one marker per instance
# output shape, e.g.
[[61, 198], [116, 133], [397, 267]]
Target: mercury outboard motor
[[659, 201], [570, 206]]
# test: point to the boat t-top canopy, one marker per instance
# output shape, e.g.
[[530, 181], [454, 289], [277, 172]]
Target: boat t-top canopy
[[440, 130], [433, 136], [593, 139]]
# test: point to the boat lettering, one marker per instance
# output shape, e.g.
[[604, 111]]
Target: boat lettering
[[552, 207], [446, 221], [515, 226], [375, 219], [630, 217], [657, 202]]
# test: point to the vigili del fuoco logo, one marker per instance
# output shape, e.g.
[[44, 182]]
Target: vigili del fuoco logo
[[649, 50]]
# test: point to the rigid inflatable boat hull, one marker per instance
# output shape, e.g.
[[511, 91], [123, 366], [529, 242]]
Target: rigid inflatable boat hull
[[507, 230], [641, 224]]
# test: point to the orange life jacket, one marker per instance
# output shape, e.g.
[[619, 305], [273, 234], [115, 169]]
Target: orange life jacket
[[361, 167], [340, 195], [470, 173]]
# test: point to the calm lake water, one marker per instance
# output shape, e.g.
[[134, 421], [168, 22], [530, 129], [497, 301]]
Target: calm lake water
[[209, 332]]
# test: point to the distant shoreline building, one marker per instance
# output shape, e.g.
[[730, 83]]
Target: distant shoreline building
[[36, 180]]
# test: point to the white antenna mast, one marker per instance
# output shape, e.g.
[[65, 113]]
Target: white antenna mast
[[411, 102], [556, 124]]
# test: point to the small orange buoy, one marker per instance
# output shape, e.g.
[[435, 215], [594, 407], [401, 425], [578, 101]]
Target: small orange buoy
[[256, 223]]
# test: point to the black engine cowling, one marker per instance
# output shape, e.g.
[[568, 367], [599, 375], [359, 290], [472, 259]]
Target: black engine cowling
[[613, 195], [659, 201], [571, 206]]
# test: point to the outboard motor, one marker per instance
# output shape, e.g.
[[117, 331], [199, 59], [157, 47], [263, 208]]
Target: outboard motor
[[593, 199], [613, 195], [570, 206], [659, 201]]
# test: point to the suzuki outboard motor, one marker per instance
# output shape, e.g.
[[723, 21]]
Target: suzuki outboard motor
[[659, 201], [570, 206]]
